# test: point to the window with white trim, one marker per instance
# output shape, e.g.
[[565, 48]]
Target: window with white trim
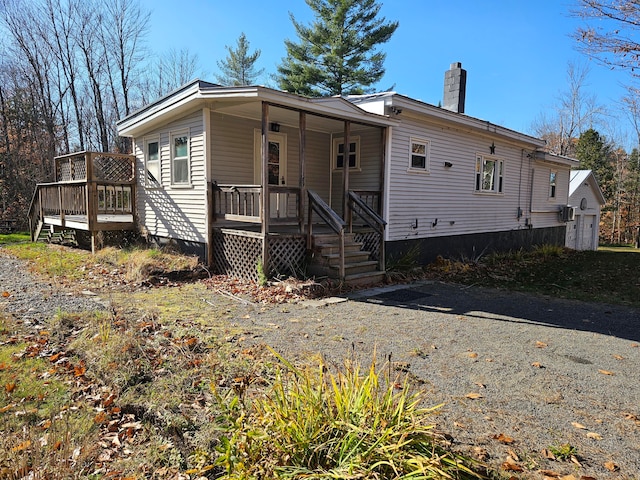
[[419, 155], [353, 154], [180, 159], [489, 174], [552, 183], [152, 162]]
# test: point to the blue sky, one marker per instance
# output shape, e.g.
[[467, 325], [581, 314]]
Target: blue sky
[[515, 52]]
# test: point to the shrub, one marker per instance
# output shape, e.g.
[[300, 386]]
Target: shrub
[[315, 424]]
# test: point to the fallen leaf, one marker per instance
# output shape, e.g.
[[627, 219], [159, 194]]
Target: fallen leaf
[[6, 408], [481, 385], [502, 438], [546, 453], [634, 345], [540, 344], [10, 387], [549, 473], [585, 477], [512, 467], [605, 372], [568, 477], [578, 425], [513, 455], [575, 460], [473, 355], [537, 365], [6, 294], [459, 425], [631, 416], [618, 357], [23, 446], [473, 395], [594, 436], [611, 466]]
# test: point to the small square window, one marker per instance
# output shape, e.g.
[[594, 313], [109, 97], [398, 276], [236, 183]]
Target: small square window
[[353, 155], [419, 155]]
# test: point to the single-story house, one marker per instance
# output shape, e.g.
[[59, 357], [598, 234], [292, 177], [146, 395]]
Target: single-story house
[[258, 180], [586, 198]]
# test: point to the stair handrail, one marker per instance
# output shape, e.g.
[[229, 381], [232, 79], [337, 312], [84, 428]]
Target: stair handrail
[[35, 212], [331, 218], [368, 214], [371, 218]]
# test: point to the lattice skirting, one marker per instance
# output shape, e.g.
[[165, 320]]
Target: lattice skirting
[[237, 253], [371, 242], [287, 254]]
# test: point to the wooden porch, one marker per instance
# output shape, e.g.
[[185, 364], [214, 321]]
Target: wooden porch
[[314, 239], [92, 192]]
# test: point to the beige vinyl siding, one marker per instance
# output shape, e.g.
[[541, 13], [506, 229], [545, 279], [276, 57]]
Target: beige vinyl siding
[[448, 193], [367, 177], [232, 149], [175, 211], [318, 163], [544, 210]]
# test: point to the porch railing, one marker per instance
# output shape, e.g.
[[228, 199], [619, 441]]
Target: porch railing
[[359, 207], [243, 203], [331, 218]]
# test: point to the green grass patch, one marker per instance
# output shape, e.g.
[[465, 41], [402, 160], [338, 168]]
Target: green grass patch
[[610, 275], [18, 237]]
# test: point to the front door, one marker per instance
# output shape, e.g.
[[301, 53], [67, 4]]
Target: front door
[[277, 167]]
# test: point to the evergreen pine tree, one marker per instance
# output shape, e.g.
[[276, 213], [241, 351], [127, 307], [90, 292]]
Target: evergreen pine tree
[[594, 152], [337, 53], [239, 66]]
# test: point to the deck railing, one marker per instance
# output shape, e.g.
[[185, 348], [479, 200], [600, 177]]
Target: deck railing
[[87, 184], [243, 203]]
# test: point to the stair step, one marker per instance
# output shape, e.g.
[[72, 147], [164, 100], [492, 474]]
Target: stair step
[[332, 248], [368, 278], [349, 257], [357, 267]]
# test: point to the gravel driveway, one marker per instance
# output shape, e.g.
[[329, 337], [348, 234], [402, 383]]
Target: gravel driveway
[[544, 372], [548, 371]]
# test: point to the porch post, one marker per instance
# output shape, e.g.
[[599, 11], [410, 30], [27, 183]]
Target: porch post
[[345, 171], [384, 138], [265, 187], [302, 184]]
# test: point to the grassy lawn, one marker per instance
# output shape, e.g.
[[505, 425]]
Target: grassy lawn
[[160, 386], [610, 275]]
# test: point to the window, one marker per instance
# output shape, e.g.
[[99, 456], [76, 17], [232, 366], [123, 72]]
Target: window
[[419, 155], [552, 184], [152, 161], [489, 174], [180, 159], [353, 154]]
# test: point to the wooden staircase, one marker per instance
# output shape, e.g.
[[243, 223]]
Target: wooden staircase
[[358, 268]]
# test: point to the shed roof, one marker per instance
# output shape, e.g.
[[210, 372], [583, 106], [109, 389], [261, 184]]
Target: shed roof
[[578, 177]]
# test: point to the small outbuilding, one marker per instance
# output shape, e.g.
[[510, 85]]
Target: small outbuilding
[[586, 197]]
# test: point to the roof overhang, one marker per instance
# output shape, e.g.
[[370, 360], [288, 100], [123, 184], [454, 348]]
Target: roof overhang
[[198, 94], [578, 177], [404, 105], [551, 158]]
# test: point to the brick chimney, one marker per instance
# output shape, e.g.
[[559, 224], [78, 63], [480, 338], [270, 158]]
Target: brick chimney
[[455, 86]]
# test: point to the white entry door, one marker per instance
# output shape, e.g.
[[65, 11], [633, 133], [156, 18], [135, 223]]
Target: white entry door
[[276, 165], [277, 161]]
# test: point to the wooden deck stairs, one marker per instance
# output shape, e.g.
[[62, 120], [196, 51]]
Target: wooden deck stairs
[[325, 260], [49, 234]]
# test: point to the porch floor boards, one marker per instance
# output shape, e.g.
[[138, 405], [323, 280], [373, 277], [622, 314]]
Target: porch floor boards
[[81, 222]]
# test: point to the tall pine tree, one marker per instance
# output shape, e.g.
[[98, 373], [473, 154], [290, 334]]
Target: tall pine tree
[[239, 66], [337, 53], [594, 151]]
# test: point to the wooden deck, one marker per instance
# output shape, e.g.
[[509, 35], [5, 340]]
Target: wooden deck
[[103, 221]]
